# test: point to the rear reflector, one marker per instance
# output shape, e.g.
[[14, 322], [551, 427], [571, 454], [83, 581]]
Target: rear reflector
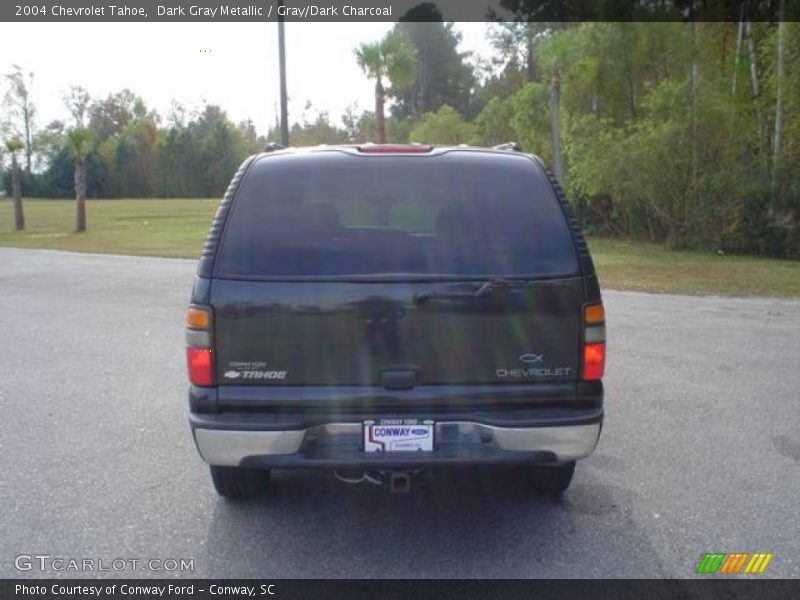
[[395, 149], [594, 361], [198, 318], [200, 365], [594, 313]]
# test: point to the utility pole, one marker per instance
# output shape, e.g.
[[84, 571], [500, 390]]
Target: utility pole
[[282, 61]]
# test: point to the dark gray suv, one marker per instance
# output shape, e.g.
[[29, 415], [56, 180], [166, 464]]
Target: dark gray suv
[[380, 309]]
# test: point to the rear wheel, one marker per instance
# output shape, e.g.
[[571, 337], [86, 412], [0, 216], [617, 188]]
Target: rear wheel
[[237, 483], [550, 480]]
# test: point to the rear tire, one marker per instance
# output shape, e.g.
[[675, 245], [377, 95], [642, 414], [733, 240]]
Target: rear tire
[[553, 481], [239, 484]]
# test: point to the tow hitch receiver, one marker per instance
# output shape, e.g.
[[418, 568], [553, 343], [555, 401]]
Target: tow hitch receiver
[[400, 482]]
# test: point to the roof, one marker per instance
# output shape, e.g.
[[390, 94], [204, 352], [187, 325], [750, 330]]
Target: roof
[[393, 149]]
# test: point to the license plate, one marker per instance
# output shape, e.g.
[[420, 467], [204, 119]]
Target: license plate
[[398, 435]]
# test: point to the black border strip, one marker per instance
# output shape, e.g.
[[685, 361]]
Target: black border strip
[[731, 588], [331, 11]]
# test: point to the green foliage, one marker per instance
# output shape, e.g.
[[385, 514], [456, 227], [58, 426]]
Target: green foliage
[[79, 142], [442, 75], [319, 131], [398, 131], [392, 58], [501, 85], [494, 123], [14, 145], [655, 141], [370, 60], [531, 118], [444, 126], [19, 111], [127, 152]]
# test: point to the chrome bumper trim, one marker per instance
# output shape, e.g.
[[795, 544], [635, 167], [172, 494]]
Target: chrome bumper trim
[[229, 448]]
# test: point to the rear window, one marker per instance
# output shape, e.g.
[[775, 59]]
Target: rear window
[[334, 214]]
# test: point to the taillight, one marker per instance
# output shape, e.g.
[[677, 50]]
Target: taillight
[[594, 313], [199, 356], [198, 318], [594, 361], [200, 365], [594, 341]]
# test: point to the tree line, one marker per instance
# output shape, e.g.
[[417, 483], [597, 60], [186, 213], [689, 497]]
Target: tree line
[[130, 150], [686, 133]]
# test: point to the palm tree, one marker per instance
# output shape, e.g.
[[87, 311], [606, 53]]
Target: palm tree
[[13, 146], [393, 58], [80, 141]]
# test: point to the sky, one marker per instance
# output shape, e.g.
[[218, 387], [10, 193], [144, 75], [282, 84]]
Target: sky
[[234, 65]]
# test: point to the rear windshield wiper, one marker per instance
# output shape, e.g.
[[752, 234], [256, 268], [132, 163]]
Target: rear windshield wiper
[[493, 285]]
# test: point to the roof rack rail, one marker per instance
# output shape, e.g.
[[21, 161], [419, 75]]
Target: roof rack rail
[[512, 146], [273, 146]]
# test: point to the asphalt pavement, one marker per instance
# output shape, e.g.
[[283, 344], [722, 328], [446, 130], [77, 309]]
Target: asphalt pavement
[[700, 449]]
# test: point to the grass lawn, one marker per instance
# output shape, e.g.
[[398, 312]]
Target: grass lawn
[[626, 265], [174, 228], [177, 228]]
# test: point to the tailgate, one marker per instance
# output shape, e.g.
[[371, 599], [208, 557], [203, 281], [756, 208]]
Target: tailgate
[[337, 333]]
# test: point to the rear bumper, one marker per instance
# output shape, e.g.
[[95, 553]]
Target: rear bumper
[[340, 444], [323, 427]]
